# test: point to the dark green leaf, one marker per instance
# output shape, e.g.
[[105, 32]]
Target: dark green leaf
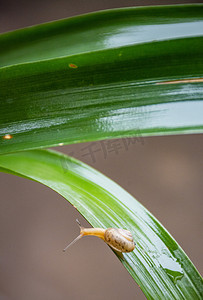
[[111, 86]]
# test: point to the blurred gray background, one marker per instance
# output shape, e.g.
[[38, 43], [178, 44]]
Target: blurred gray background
[[163, 173]]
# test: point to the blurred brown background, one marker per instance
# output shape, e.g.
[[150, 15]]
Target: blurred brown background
[[163, 173]]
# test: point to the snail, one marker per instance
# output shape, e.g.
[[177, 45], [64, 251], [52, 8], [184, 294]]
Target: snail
[[120, 240]]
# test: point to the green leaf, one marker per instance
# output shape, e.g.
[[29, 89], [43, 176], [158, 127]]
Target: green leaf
[[99, 31], [158, 264], [111, 74]]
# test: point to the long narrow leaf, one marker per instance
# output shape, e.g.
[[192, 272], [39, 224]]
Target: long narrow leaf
[[99, 31], [158, 264], [135, 71]]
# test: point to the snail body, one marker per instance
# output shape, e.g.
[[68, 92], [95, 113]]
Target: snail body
[[119, 239]]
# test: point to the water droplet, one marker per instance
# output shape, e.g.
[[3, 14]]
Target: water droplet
[[174, 275], [171, 265]]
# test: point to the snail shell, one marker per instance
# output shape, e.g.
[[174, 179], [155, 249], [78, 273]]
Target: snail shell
[[119, 239]]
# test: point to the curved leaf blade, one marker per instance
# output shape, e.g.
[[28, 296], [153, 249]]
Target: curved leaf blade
[[157, 264], [111, 93], [110, 87], [99, 31]]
